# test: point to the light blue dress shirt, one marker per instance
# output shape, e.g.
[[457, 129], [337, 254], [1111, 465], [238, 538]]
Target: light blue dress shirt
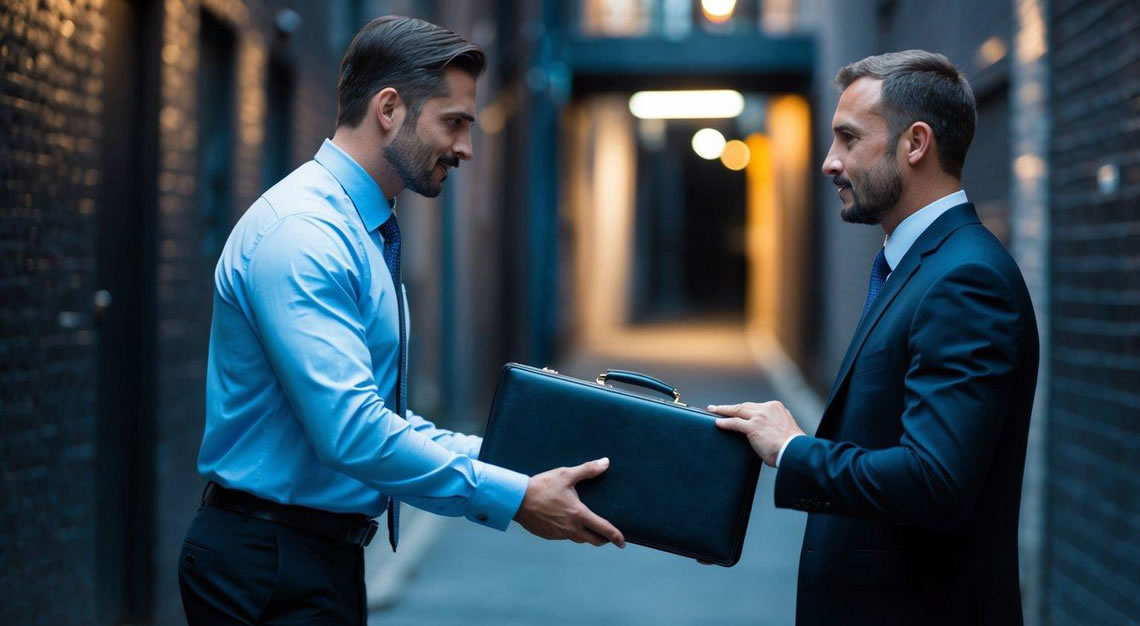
[[304, 351]]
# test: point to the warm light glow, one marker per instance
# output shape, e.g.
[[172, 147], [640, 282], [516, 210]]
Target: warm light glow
[[990, 52], [674, 105], [718, 11], [735, 155], [1029, 166], [491, 119], [1108, 179], [708, 143]]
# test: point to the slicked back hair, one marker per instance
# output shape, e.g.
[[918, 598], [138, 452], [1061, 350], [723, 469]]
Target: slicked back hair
[[921, 86], [407, 54]]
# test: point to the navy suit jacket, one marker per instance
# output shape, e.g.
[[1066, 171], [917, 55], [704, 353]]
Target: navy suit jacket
[[913, 480]]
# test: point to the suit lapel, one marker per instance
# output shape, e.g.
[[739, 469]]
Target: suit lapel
[[926, 244]]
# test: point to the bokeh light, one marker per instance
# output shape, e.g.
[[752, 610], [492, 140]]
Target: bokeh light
[[708, 143], [718, 11], [735, 155]]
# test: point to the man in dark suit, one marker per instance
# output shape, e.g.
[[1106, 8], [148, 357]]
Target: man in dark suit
[[913, 480]]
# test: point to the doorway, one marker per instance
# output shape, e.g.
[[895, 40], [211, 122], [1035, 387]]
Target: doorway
[[125, 316]]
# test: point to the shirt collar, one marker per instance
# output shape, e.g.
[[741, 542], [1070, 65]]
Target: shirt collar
[[907, 232], [360, 187]]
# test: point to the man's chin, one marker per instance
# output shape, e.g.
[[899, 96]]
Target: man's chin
[[856, 214], [427, 189]]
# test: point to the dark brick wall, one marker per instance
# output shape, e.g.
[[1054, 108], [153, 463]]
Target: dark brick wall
[[1094, 431], [50, 162], [50, 114]]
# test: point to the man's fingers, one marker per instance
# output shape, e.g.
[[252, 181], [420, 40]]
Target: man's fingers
[[733, 410], [594, 538], [589, 469], [733, 424], [598, 525]]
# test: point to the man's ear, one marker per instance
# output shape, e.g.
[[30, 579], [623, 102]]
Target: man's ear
[[917, 142], [388, 108]]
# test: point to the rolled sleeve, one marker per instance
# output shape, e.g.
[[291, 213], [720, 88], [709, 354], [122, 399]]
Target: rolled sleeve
[[498, 496]]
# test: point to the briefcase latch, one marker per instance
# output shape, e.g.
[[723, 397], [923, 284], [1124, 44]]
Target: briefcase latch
[[640, 380]]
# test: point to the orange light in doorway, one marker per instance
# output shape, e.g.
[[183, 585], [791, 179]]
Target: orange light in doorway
[[735, 155]]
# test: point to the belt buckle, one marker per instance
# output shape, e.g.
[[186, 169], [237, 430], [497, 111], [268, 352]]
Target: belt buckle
[[369, 533]]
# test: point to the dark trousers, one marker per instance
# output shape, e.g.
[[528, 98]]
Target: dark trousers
[[241, 570]]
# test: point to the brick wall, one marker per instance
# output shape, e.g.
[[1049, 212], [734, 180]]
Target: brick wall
[[50, 160], [1094, 431], [50, 111]]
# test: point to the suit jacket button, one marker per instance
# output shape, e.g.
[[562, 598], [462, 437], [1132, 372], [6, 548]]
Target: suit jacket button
[[482, 517]]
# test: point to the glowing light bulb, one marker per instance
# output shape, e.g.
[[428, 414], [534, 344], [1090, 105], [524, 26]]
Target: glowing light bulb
[[697, 105], [735, 155], [718, 11], [708, 143]]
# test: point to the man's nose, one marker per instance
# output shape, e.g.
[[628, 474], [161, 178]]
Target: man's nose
[[831, 165], [463, 149]]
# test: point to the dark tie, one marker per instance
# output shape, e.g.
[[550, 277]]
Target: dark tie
[[390, 230], [879, 272]]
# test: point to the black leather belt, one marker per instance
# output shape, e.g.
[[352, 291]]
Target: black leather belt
[[347, 527]]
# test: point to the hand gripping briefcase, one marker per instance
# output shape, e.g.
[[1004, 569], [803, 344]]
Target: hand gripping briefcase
[[675, 483]]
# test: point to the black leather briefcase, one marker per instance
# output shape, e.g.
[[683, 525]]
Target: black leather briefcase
[[675, 483]]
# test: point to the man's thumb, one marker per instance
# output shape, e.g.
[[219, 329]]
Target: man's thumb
[[590, 469]]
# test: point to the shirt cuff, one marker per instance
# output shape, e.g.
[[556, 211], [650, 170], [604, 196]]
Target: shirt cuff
[[785, 447], [497, 497]]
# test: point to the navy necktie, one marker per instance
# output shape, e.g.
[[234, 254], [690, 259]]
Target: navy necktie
[[390, 230], [879, 272]]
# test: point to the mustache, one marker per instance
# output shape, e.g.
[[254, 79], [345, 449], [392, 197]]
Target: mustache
[[841, 181], [451, 161]]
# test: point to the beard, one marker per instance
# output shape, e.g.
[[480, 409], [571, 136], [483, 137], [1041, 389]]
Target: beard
[[878, 193], [414, 162]]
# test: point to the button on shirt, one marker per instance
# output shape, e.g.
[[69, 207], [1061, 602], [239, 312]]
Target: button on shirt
[[899, 242], [304, 352]]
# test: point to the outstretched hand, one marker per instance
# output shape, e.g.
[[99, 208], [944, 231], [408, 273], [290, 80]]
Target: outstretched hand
[[551, 508], [766, 425]]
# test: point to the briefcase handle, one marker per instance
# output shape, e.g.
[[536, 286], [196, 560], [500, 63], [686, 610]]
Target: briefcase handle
[[640, 380]]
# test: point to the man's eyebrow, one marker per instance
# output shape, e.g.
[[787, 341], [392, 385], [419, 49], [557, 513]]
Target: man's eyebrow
[[460, 114], [845, 128]]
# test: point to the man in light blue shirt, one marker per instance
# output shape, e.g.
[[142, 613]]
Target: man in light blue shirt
[[308, 436]]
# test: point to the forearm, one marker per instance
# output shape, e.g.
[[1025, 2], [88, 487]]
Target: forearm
[[459, 443], [893, 484]]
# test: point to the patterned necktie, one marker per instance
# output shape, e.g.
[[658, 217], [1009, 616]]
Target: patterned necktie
[[390, 230], [879, 272]]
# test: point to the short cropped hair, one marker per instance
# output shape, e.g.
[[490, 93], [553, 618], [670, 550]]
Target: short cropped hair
[[405, 53], [921, 86]]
